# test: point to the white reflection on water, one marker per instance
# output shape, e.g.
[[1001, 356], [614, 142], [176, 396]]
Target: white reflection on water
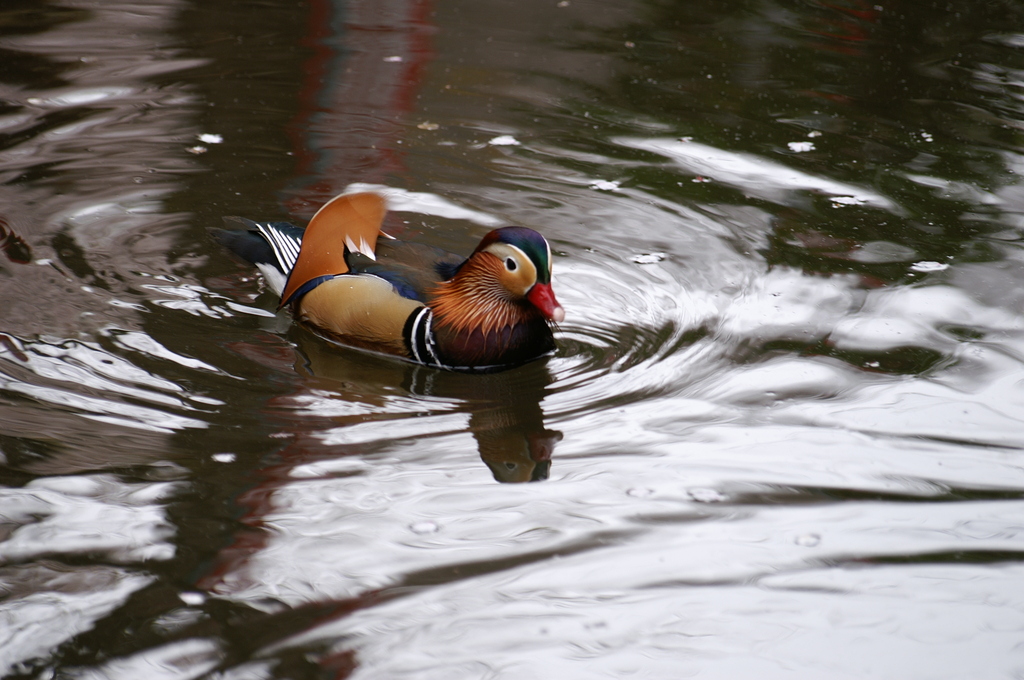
[[189, 658], [400, 200], [873, 622], [46, 604], [613, 582], [80, 515], [54, 375], [53, 524], [752, 174]]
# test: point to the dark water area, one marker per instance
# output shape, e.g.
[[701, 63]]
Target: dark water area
[[782, 436]]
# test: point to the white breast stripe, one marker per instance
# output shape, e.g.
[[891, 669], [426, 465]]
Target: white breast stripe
[[412, 334], [421, 339], [428, 338]]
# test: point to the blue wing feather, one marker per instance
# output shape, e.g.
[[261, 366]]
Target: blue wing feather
[[412, 268]]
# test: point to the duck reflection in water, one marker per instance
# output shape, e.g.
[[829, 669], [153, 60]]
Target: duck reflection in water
[[505, 416]]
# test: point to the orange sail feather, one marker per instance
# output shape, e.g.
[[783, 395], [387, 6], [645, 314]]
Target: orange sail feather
[[350, 220]]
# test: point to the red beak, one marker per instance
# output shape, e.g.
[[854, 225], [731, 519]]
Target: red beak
[[543, 298]]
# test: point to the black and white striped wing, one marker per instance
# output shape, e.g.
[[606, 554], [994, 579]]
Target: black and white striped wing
[[285, 240]]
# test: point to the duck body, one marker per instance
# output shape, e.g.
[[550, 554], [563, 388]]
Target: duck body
[[341, 274]]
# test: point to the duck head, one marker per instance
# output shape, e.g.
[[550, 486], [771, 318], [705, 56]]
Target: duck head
[[506, 281], [518, 262]]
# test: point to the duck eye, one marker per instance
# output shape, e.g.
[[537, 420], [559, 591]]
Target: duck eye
[[510, 264]]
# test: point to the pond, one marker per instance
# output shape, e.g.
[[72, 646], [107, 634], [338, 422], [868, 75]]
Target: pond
[[782, 433]]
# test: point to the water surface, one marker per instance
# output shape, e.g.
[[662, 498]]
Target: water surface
[[781, 437]]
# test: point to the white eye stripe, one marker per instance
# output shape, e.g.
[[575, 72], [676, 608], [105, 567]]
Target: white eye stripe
[[518, 250], [525, 269], [527, 259]]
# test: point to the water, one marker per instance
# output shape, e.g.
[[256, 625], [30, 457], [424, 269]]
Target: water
[[782, 434]]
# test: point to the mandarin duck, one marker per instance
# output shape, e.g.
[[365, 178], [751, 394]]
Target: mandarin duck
[[343, 275]]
